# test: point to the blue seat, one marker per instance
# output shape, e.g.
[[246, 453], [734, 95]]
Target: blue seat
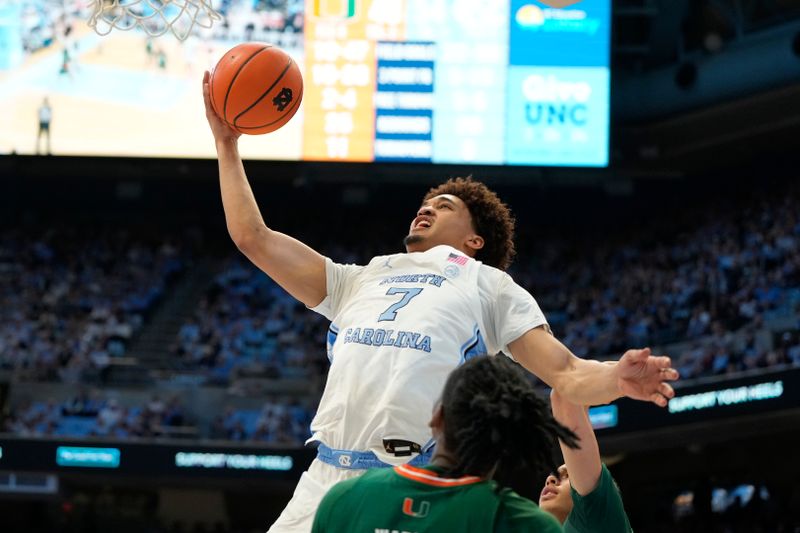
[[76, 426]]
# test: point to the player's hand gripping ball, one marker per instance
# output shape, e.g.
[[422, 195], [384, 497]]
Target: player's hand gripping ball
[[256, 88]]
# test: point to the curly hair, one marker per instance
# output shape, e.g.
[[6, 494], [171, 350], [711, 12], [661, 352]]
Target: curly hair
[[491, 219], [495, 423]]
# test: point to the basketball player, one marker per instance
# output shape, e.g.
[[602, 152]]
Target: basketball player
[[45, 113], [403, 322], [581, 494], [489, 422]]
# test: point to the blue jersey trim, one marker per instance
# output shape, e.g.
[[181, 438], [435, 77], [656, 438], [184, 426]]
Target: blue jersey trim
[[429, 446], [474, 347], [333, 332]]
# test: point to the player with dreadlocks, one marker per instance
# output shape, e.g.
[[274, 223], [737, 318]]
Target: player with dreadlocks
[[401, 323], [488, 423]]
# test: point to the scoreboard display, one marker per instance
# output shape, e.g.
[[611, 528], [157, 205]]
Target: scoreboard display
[[437, 81]]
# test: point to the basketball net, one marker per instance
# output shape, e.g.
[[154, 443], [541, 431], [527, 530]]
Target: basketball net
[[154, 17]]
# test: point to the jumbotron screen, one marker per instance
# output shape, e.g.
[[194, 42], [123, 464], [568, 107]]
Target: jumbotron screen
[[445, 81]]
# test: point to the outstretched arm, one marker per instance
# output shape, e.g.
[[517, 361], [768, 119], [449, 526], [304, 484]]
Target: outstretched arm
[[638, 374], [583, 464], [293, 265]]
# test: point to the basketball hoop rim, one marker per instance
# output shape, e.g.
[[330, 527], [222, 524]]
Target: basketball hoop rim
[[108, 15]]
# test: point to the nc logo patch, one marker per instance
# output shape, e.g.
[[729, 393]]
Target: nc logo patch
[[344, 460], [452, 271], [283, 99]]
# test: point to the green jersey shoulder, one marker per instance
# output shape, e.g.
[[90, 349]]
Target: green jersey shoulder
[[407, 499], [600, 511]]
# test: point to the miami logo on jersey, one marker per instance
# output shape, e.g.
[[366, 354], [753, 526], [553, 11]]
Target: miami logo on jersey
[[422, 508]]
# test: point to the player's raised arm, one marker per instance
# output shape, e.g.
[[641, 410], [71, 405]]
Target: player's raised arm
[[293, 265], [583, 464], [638, 374], [581, 493]]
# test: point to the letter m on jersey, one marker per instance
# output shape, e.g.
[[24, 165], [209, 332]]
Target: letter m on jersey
[[422, 508]]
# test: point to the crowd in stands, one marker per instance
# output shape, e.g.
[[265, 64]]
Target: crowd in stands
[[246, 325], [279, 421], [91, 413], [724, 353], [71, 300], [729, 272]]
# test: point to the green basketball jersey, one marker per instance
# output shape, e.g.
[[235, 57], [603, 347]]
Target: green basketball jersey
[[406, 499], [600, 511]]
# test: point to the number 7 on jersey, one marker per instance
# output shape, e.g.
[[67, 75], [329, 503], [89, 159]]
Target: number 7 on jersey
[[391, 312]]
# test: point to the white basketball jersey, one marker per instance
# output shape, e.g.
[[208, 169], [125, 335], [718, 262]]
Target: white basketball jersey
[[399, 326]]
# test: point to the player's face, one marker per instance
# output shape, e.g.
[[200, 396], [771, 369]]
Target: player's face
[[443, 219], [555, 497]]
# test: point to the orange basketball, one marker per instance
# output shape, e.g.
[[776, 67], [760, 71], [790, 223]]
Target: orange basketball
[[256, 88]]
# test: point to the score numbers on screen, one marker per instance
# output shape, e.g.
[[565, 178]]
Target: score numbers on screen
[[339, 68]]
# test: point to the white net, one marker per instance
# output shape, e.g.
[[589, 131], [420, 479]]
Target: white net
[[155, 17]]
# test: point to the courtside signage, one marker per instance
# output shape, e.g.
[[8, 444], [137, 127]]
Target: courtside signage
[[560, 115], [153, 459], [767, 392], [233, 461], [605, 416], [575, 36], [87, 457], [730, 396]]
